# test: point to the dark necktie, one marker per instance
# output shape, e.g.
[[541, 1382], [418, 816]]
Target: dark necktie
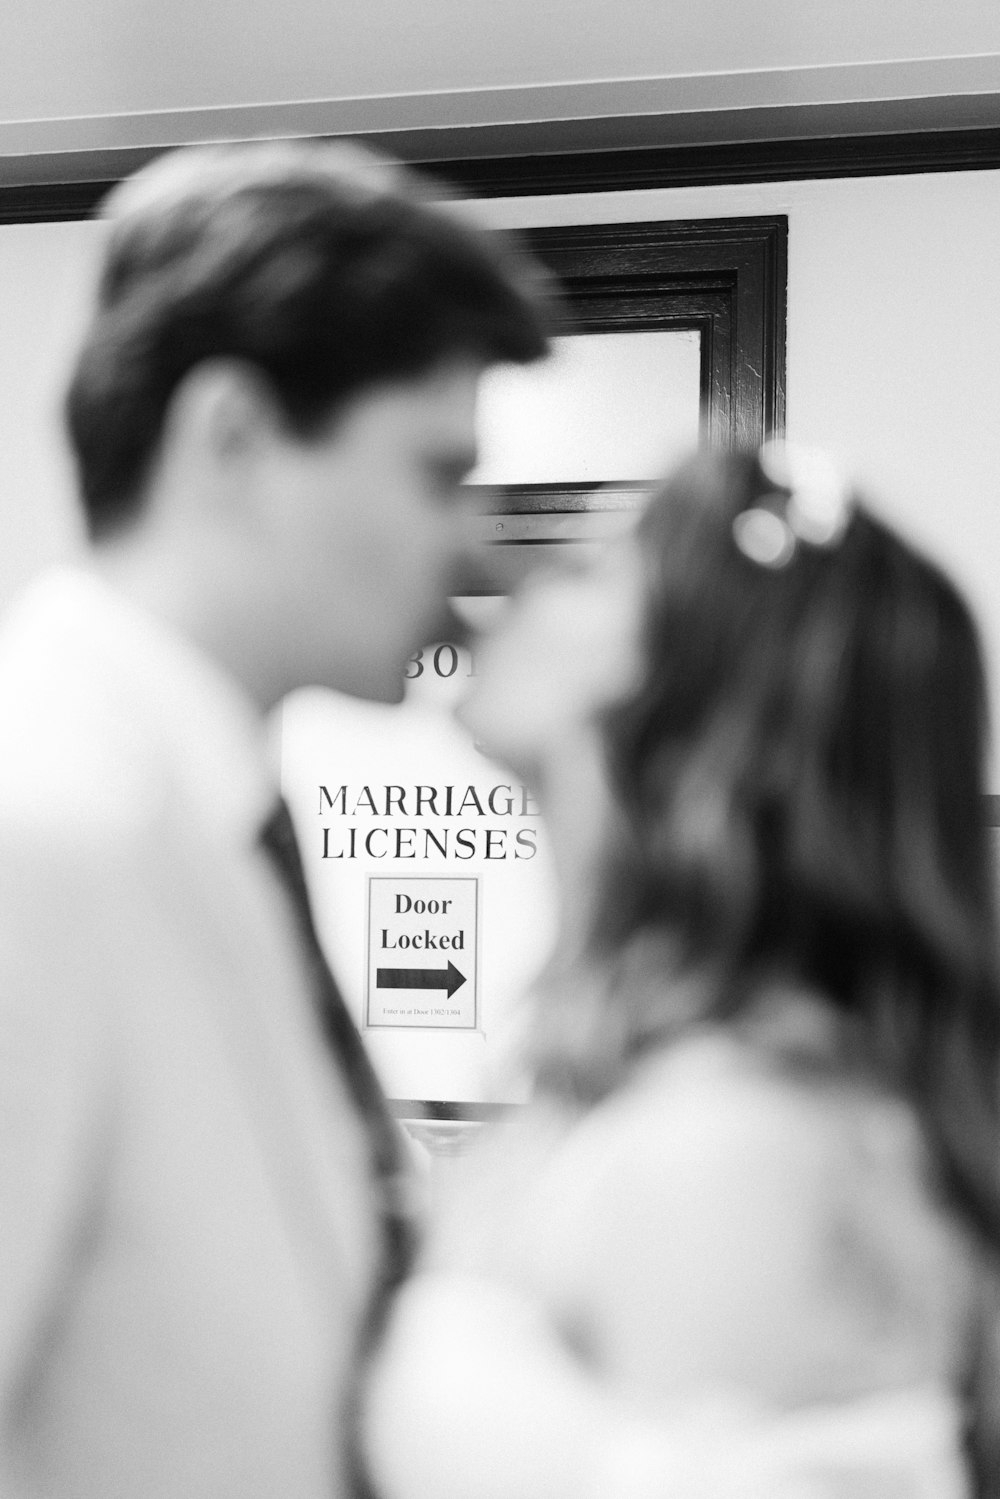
[[386, 1145]]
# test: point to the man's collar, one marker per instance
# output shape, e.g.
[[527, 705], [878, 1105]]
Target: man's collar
[[190, 708]]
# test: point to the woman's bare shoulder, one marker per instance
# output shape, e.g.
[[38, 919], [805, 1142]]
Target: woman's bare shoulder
[[726, 1217]]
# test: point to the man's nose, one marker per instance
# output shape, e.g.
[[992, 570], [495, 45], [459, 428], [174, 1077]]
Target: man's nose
[[478, 562], [475, 569]]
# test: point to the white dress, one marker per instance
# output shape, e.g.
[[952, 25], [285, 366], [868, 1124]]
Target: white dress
[[729, 1280]]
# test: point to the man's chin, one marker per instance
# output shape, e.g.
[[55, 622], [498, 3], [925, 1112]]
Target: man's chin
[[390, 691], [394, 692]]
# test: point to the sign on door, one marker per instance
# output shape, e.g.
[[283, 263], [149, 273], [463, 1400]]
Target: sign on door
[[423, 952]]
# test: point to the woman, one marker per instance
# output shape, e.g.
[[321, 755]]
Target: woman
[[744, 1240]]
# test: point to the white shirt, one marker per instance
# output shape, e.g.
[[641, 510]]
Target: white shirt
[[188, 1231], [176, 704]]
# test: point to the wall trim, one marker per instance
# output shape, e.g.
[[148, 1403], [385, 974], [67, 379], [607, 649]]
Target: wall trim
[[731, 163], [552, 172], [50, 202]]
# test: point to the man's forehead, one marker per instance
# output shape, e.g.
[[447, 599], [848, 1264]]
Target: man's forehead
[[437, 408]]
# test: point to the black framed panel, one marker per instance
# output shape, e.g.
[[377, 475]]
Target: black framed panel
[[725, 277]]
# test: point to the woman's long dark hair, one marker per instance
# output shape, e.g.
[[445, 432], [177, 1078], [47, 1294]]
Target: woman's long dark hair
[[798, 781]]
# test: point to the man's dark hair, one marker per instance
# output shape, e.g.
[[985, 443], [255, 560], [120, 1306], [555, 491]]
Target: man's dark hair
[[327, 268]]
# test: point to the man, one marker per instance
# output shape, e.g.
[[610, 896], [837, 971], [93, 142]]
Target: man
[[271, 412]]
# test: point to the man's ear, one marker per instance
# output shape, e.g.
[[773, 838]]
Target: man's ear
[[223, 409]]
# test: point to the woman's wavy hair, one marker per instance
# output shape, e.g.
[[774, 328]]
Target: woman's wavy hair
[[797, 784], [798, 791], [798, 799]]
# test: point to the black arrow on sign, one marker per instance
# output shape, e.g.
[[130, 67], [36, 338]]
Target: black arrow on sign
[[420, 978]]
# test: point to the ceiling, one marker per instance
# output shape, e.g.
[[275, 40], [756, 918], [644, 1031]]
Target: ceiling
[[89, 87]]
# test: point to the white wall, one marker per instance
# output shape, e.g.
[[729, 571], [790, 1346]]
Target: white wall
[[44, 272], [893, 352], [893, 343], [893, 339]]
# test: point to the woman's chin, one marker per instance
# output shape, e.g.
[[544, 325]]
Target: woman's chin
[[493, 739]]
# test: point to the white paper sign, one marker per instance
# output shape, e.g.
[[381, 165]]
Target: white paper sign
[[423, 948]]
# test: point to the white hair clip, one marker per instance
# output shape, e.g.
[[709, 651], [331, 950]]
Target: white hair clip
[[810, 503]]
